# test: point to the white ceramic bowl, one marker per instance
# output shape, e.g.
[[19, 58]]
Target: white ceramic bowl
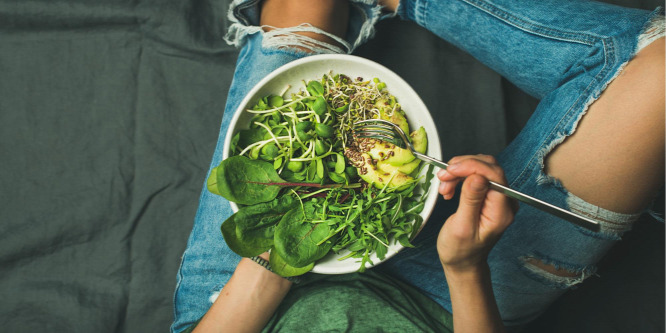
[[312, 68]]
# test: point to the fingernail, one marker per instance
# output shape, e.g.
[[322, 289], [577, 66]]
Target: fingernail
[[453, 166], [441, 173]]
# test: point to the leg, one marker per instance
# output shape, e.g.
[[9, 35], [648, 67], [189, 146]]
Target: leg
[[535, 45], [328, 17], [615, 159], [620, 138], [540, 257], [208, 263]]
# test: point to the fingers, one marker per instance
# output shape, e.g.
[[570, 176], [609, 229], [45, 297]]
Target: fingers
[[485, 165], [475, 198], [489, 159], [472, 197], [464, 166]]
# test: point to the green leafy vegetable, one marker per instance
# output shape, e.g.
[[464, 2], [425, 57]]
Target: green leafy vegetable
[[319, 106], [315, 88], [280, 267], [242, 180], [249, 232], [211, 182], [297, 238]]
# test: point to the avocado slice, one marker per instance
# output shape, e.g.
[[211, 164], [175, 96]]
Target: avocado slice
[[397, 117], [420, 141], [379, 179], [390, 153]]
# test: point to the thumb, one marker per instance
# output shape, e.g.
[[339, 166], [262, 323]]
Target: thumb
[[472, 196]]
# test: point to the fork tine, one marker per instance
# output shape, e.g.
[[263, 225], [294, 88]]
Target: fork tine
[[374, 123], [382, 131], [385, 138], [378, 129], [361, 127]]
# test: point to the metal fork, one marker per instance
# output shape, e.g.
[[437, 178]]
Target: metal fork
[[392, 133]]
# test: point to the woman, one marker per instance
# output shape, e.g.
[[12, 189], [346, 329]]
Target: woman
[[576, 151]]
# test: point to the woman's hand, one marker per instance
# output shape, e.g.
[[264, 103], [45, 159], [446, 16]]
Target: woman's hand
[[468, 235]]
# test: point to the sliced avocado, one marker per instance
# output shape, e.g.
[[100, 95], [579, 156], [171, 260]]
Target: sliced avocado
[[397, 117], [379, 179], [406, 168], [420, 142], [390, 153]]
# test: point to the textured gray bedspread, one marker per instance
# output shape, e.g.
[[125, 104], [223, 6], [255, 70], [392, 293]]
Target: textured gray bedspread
[[109, 113]]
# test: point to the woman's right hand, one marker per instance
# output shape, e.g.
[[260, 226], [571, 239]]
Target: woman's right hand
[[482, 216]]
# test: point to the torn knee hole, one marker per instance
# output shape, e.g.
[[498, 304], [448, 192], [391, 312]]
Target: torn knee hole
[[550, 268], [558, 274], [304, 37]]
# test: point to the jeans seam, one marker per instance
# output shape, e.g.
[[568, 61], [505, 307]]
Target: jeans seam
[[420, 12], [176, 314], [609, 61], [242, 6], [531, 27]]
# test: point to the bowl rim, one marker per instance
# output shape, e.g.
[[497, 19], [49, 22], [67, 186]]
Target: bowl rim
[[434, 147]]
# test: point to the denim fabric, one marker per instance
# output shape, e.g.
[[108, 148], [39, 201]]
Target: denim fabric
[[208, 263], [562, 52]]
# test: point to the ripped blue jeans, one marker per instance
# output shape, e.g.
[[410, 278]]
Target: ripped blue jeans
[[562, 52]]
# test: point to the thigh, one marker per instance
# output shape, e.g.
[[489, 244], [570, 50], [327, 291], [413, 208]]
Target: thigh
[[208, 263]]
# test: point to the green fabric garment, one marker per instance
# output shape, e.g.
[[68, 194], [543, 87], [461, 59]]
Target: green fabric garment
[[359, 302]]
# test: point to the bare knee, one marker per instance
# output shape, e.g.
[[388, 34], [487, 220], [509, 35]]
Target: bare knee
[[390, 5], [321, 20], [550, 268]]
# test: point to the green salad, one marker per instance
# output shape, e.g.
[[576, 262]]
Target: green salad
[[307, 187]]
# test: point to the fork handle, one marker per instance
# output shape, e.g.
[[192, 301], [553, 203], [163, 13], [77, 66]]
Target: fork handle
[[534, 202]]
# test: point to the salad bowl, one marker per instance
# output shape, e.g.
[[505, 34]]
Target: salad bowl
[[291, 78]]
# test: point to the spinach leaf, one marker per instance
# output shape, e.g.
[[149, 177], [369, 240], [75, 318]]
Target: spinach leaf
[[296, 237], [249, 232], [234, 241], [280, 267], [246, 181]]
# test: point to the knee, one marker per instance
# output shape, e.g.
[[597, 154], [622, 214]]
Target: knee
[[313, 27]]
